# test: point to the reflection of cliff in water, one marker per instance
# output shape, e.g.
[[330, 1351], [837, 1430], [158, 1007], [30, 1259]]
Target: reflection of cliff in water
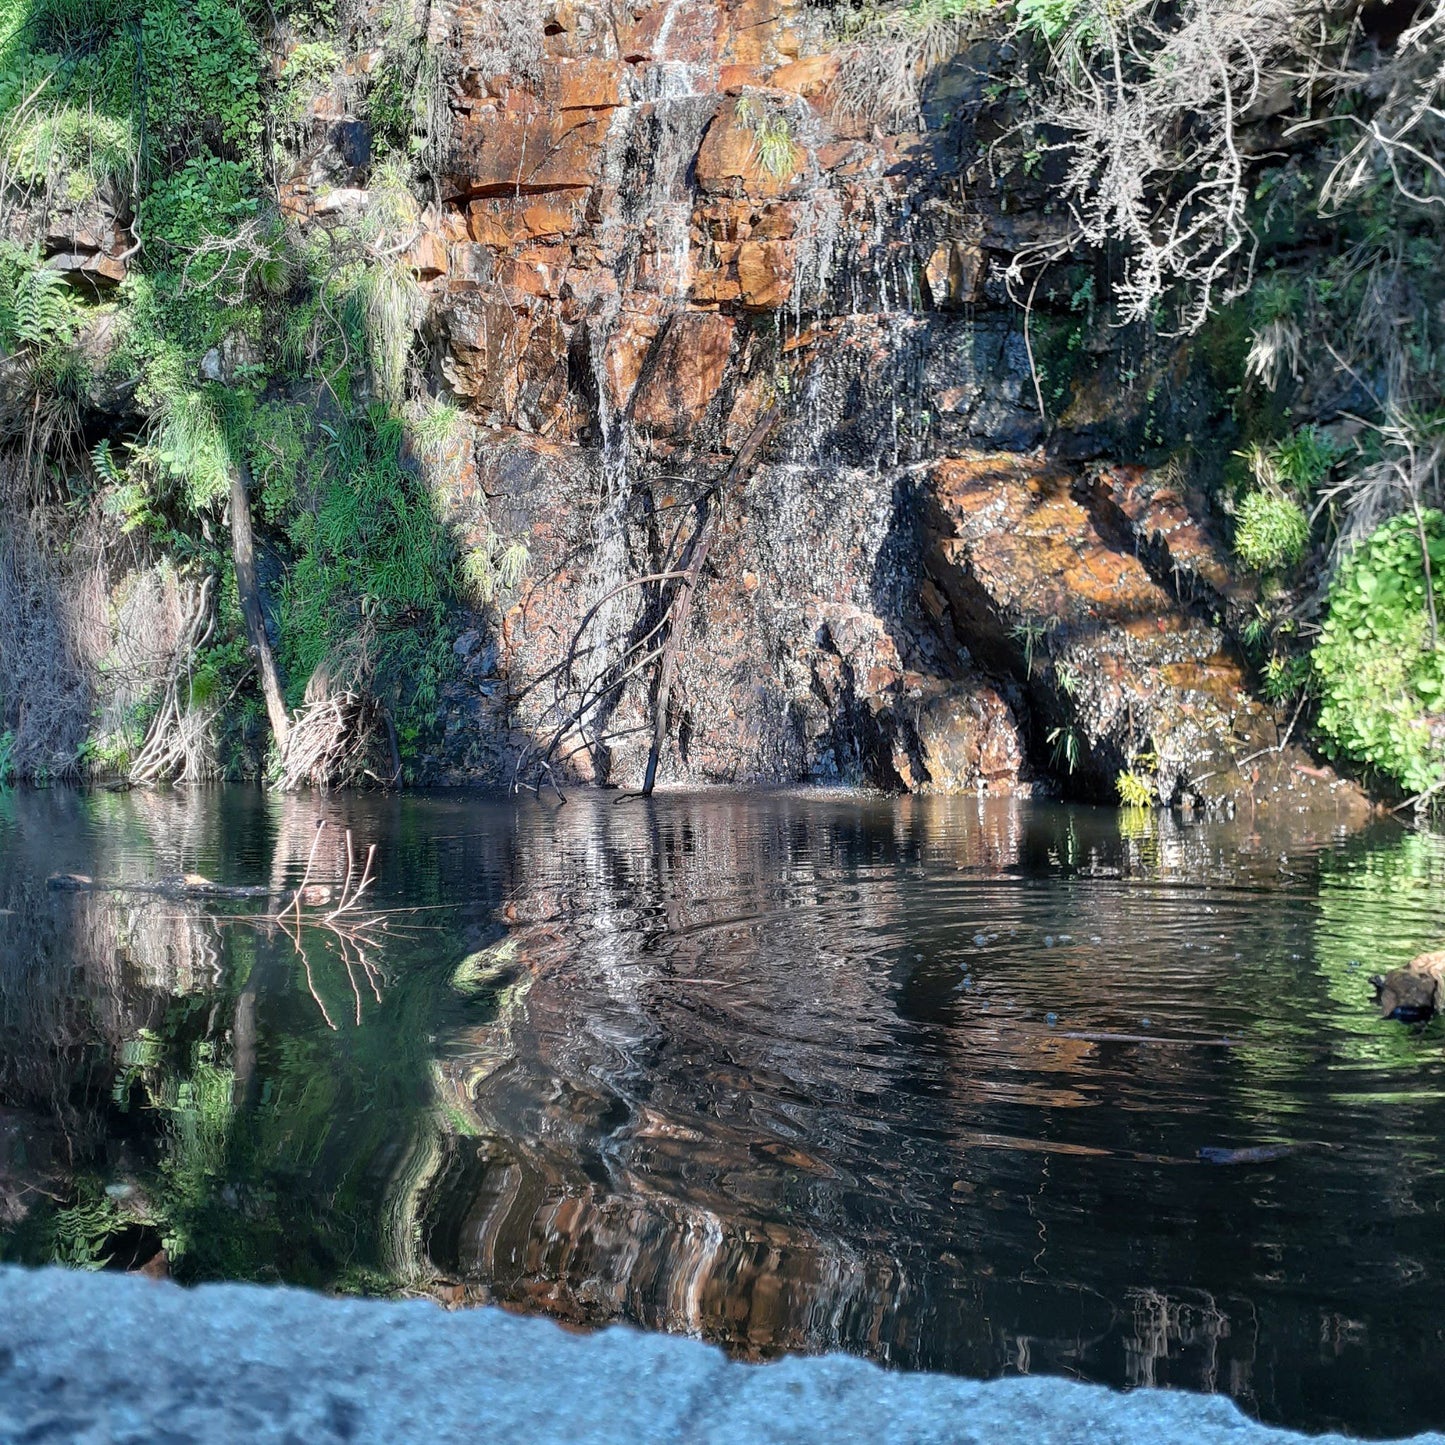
[[170, 1079], [745, 1087], [80, 983]]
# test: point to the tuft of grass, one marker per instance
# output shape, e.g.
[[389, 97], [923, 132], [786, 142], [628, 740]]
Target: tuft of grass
[[773, 140], [70, 27], [1270, 531], [494, 566], [888, 50]]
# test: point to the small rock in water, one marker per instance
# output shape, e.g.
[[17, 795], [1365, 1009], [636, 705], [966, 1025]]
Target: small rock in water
[[1257, 1154], [1411, 994]]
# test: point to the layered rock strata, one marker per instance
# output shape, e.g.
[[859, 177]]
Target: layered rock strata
[[655, 225], [907, 591]]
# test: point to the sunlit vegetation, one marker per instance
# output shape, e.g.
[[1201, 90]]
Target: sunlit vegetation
[[1381, 657], [772, 137], [250, 358], [1271, 530], [1135, 791]]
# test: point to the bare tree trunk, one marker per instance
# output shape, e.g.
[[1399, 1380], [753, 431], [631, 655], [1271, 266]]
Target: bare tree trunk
[[243, 553]]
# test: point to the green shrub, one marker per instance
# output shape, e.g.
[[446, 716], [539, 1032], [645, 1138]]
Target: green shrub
[[308, 71], [202, 198], [88, 149], [1051, 20], [1285, 677], [312, 63], [1380, 672], [373, 570], [1270, 530], [193, 447], [203, 73]]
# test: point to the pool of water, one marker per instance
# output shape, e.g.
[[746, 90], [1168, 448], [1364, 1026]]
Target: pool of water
[[926, 1080]]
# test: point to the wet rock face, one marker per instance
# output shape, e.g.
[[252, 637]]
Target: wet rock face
[[621, 286], [654, 228], [1099, 592]]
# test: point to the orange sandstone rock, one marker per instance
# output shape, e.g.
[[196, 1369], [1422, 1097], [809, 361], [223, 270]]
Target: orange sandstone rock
[[684, 373], [765, 274]]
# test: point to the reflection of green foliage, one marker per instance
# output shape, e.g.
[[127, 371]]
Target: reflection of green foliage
[[477, 971], [318, 1179], [136, 1056], [1378, 908], [81, 1231]]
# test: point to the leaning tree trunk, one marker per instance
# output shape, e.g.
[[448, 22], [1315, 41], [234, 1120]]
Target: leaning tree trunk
[[243, 553]]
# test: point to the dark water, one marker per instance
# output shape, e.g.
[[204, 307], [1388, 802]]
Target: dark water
[[925, 1080]]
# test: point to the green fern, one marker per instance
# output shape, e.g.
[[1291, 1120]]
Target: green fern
[[37, 309], [106, 470]]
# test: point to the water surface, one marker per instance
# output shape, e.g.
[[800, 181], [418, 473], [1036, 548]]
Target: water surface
[[925, 1080]]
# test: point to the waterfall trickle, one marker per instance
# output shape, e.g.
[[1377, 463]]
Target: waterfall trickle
[[647, 231]]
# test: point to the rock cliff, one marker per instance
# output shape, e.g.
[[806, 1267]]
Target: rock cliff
[[911, 588], [660, 244]]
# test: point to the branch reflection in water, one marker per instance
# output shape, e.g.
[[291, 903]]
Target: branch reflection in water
[[923, 1079]]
